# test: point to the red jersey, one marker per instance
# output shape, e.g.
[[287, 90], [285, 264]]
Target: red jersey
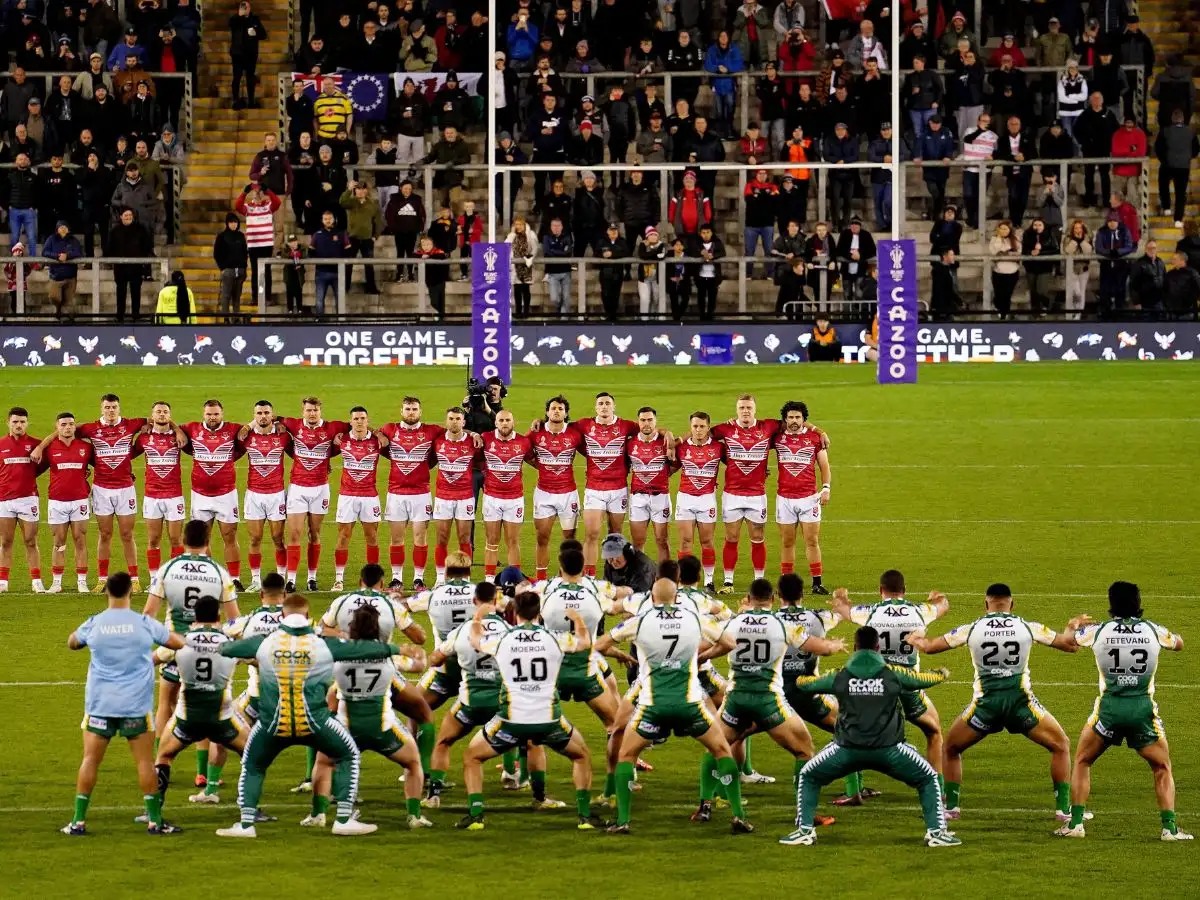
[[164, 477], [68, 465], [409, 450], [359, 459], [312, 448], [604, 447], [502, 462], [265, 454], [698, 465], [746, 451], [554, 457], [214, 453], [798, 463], [455, 467], [649, 469], [18, 473], [114, 450]]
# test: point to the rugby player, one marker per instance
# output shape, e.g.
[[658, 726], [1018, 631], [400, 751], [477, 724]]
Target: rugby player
[[259, 622], [504, 455], [1127, 648], [358, 496], [698, 457], [556, 495], [159, 442], [801, 453], [19, 500], [214, 450], [651, 456], [605, 493], [1001, 643], [410, 447], [265, 444], [68, 510], [454, 453]]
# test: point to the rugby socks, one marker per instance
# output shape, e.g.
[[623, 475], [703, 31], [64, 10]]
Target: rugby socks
[[854, 783], [320, 803], [81, 805], [489, 571], [345, 809], [413, 805], [437, 781], [154, 558], [1062, 796], [214, 778], [787, 568], [202, 763], [523, 764], [293, 561], [1168, 820], [163, 775], [373, 555], [420, 559], [475, 804], [708, 559], [176, 550], [589, 570], [4, 576], [540, 573], [729, 558], [426, 738], [310, 754], [340, 558], [610, 784], [314, 560], [583, 803], [56, 573], [133, 570], [153, 809], [537, 784], [280, 561], [35, 578], [468, 549], [396, 557], [747, 763], [1077, 811], [816, 570], [255, 566], [954, 791], [708, 777], [624, 777], [102, 568], [758, 557], [439, 563], [510, 762], [727, 771]]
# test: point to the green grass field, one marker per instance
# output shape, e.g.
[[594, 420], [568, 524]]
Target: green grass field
[[1056, 479]]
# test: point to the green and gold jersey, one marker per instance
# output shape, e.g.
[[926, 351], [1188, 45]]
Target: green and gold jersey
[[184, 580], [1126, 654], [668, 639], [817, 623], [480, 684], [1000, 646], [894, 619], [761, 639], [257, 623], [365, 690], [529, 658], [206, 677], [591, 601], [393, 616], [449, 604]]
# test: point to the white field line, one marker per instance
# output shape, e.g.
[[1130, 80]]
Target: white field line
[[1088, 684]]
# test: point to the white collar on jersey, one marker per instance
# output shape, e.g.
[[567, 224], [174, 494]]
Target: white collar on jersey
[[295, 620], [456, 440], [648, 440], [546, 428], [120, 419], [366, 437], [408, 427]]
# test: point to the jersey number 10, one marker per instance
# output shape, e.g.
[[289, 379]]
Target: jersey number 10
[[538, 670]]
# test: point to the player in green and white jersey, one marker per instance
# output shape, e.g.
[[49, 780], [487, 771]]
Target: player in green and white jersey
[[759, 640], [670, 700], [1000, 644], [362, 690], [1127, 649], [448, 604], [529, 658], [894, 617], [259, 622]]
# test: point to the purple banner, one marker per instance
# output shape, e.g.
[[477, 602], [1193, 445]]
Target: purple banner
[[898, 312], [491, 311]]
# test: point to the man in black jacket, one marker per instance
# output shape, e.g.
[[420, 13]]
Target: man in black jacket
[[1093, 131], [636, 204], [1017, 145], [612, 275], [625, 566], [232, 256], [588, 213], [549, 132], [705, 147], [21, 202], [246, 32], [58, 194]]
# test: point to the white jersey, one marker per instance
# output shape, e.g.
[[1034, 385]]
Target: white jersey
[[1127, 652], [205, 675], [184, 580], [449, 604], [481, 673], [895, 620], [761, 639], [257, 623], [667, 639], [587, 597], [359, 679], [817, 623], [1000, 645], [529, 657], [393, 616]]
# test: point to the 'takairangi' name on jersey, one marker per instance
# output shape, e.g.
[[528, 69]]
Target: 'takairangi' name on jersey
[[184, 580]]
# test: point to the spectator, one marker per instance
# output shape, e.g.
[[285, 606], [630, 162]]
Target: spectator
[[751, 26], [557, 245], [405, 215], [271, 169], [872, 100], [772, 98], [57, 192], [64, 109], [1005, 249], [231, 255], [1110, 80], [707, 273], [169, 151], [937, 144], [118, 55], [800, 149], [293, 274], [62, 247], [821, 258], [444, 232], [843, 183], [1147, 277], [557, 204], [1010, 48], [22, 202], [1072, 95], [506, 95], [436, 274], [966, 86], [923, 94], [10, 275], [789, 17], [508, 153], [946, 232], [449, 153], [636, 204], [332, 110], [40, 130], [418, 53], [246, 33], [1135, 47], [752, 148], [1113, 244], [793, 293], [449, 38], [102, 28], [452, 103], [978, 145], [1181, 288], [644, 59], [864, 47], [1036, 242], [1127, 213], [679, 280], [1016, 145], [705, 147], [945, 300], [1052, 48], [328, 242], [175, 302], [129, 239], [85, 82], [587, 112], [1174, 90], [411, 115], [299, 110], [1189, 244], [325, 185], [823, 342], [722, 58], [797, 54], [1094, 130], [22, 143], [524, 249], [105, 117], [1049, 203], [855, 248], [841, 107], [586, 148], [651, 252], [583, 62], [1008, 90], [690, 209], [684, 56], [588, 219], [470, 231], [759, 199], [521, 40], [789, 245], [612, 275], [621, 116], [364, 224], [95, 193], [128, 77], [917, 42], [1176, 146], [548, 132], [1077, 243]]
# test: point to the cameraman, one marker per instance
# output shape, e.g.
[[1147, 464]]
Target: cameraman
[[483, 401]]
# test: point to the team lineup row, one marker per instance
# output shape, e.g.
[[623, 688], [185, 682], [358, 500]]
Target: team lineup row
[[507, 657], [629, 464]]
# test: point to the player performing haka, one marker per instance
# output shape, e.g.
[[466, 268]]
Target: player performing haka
[[454, 493], [1000, 644], [698, 458], [160, 443], [358, 495], [504, 455], [605, 494], [556, 496], [651, 456], [265, 444], [214, 449], [410, 448], [19, 500], [801, 453], [68, 510], [308, 493]]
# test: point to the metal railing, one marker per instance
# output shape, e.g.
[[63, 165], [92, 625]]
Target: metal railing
[[94, 264]]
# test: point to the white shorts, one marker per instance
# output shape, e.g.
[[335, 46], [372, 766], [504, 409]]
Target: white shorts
[[257, 507], [409, 507], [357, 509], [114, 501], [613, 501], [735, 507], [789, 510], [60, 512], [496, 509], [650, 508], [169, 508], [27, 509], [696, 508], [462, 510], [565, 506], [303, 500], [223, 508]]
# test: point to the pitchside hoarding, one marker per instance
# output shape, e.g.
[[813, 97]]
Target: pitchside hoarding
[[570, 344]]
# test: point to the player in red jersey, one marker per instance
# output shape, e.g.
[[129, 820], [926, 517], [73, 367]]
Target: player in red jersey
[[265, 444], [504, 455], [358, 495], [604, 488], [454, 454], [68, 457], [308, 492], [650, 459], [409, 502], [163, 499], [800, 451], [556, 496], [19, 498], [214, 450], [698, 458]]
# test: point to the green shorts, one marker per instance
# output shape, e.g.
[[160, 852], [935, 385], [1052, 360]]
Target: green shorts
[[711, 681], [763, 711], [914, 704], [386, 743], [580, 687], [1132, 720], [1013, 709], [170, 673], [116, 726], [810, 707], [473, 716], [660, 721], [219, 731], [504, 736], [441, 682]]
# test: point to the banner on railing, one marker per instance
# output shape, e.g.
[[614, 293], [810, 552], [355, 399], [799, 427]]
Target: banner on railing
[[898, 312], [368, 92], [491, 311], [429, 83]]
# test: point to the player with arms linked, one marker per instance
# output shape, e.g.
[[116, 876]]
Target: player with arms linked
[[19, 500], [265, 444]]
